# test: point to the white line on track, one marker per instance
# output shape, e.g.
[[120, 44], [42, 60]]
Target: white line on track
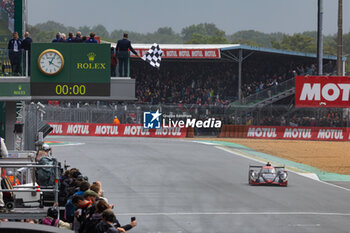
[[304, 225], [260, 161], [69, 144], [234, 213], [206, 143]]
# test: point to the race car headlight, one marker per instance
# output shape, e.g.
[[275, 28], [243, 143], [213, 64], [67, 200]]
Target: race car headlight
[[254, 175], [284, 175]]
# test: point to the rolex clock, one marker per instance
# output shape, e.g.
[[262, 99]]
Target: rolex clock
[[50, 62]]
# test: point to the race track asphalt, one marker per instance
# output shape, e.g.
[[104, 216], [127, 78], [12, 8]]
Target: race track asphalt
[[177, 186]]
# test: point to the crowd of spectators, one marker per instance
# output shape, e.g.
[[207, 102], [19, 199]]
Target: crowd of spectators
[[86, 208], [209, 83], [9, 7], [78, 38], [295, 119], [185, 83], [329, 119], [256, 82]]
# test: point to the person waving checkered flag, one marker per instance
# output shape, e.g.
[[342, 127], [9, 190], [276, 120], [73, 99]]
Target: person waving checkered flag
[[154, 56]]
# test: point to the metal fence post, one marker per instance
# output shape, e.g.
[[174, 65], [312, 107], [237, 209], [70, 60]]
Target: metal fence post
[[27, 63], [56, 186]]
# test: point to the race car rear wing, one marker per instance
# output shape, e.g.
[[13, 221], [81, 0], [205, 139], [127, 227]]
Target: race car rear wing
[[260, 166]]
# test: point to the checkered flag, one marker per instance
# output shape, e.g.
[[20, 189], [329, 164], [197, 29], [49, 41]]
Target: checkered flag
[[153, 56]]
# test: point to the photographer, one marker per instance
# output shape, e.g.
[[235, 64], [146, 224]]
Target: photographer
[[45, 150]]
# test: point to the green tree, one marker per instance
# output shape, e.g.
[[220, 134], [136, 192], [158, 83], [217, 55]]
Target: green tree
[[165, 31], [197, 38], [296, 42], [191, 32], [254, 38], [51, 26], [218, 38], [247, 42], [101, 31], [204, 33]]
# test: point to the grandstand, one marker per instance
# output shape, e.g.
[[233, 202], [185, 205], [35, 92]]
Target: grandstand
[[221, 73]]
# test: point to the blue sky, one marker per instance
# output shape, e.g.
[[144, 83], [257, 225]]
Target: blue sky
[[288, 16]]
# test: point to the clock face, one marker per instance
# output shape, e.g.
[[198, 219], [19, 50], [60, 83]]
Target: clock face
[[50, 62]]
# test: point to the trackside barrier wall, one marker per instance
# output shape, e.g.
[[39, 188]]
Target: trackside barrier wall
[[233, 131], [121, 130], [284, 132], [190, 132]]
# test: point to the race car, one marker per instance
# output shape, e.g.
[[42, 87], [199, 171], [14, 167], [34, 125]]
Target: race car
[[267, 175]]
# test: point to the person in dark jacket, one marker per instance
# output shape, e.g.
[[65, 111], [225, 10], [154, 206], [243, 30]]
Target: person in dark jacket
[[106, 219], [122, 50], [15, 54], [77, 38], [58, 38], [70, 38], [91, 39], [26, 44], [111, 224], [83, 214]]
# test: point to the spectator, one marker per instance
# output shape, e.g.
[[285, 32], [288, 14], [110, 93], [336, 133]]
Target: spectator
[[91, 39], [52, 220], [101, 206], [82, 188], [122, 51], [90, 196], [101, 226], [70, 38], [113, 63], [82, 215], [83, 39], [15, 54], [26, 44], [109, 223], [63, 37], [58, 38], [78, 38]]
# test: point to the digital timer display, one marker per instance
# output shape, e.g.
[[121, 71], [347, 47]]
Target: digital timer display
[[70, 89], [66, 89]]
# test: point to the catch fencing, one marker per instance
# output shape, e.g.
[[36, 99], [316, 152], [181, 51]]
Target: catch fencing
[[273, 115]]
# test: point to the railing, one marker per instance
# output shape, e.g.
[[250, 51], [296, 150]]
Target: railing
[[33, 188], [6, 69], [267, 93]]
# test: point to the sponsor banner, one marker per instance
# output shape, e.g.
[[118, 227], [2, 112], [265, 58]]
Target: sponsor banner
[[322, 91], [133, 130], [184, 53], [298, 133]]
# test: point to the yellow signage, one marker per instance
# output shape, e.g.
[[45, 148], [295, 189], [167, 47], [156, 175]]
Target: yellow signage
[[90, 65]]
